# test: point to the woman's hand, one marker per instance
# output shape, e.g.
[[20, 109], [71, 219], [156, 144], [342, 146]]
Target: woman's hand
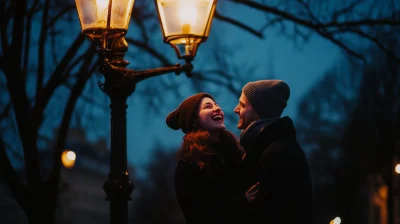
[[251, 193]]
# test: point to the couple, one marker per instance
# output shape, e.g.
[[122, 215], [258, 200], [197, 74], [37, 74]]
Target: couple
[[263, 179]]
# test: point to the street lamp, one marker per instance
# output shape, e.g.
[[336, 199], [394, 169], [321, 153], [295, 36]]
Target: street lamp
[[185, 25]]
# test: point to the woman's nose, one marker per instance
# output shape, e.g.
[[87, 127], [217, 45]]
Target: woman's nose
[[217, 108]]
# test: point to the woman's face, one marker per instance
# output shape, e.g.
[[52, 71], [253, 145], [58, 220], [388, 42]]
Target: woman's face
[[210, 116]]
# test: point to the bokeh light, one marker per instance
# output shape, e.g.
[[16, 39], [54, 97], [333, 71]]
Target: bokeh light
[[68, 159]]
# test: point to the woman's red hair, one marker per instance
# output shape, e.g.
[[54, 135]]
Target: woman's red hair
[[199, 146]]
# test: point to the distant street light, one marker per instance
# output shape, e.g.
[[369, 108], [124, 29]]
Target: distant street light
[[68, 159], [397, 168], [185, 25], [337, 220]]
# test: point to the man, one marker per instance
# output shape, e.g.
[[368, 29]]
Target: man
[[273, 156]]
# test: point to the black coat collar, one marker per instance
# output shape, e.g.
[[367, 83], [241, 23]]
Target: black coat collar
[[281, 128]]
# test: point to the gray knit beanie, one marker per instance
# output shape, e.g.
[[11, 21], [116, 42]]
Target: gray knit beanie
[[268, 97]]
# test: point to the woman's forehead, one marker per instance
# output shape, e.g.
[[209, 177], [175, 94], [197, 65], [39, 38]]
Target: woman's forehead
[[206, 100]]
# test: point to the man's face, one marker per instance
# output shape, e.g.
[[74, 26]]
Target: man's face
[[246, 112]]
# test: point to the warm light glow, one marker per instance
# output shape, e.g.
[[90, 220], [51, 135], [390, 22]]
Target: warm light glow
[[397, 168], [93, 15], [71, 155], [102, 10], [179, 17], [337, 220], [187, 15], [68, 159], [185, 23]]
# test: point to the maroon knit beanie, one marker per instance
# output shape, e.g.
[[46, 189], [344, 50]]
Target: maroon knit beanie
[[185, 115]]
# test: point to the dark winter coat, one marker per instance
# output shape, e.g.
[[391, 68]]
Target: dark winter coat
[[274, 158], [210, 194]]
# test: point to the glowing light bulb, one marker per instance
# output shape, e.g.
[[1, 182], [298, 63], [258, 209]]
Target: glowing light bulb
[[102, 10], [187, 15]]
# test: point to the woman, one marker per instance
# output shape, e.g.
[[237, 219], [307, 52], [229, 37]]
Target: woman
[[207, 175]]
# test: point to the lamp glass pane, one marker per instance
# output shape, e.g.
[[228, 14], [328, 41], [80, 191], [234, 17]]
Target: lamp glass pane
[[93, 14], [185, 16]]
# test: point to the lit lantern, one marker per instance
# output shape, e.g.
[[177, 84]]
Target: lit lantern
[[185, 23], [68, 159], [104, 17]]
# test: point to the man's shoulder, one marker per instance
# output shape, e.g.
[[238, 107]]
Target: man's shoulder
[[282, 147]]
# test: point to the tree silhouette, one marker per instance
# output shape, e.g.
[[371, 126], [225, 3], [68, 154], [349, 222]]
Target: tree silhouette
[[332, 20], [349, 120]]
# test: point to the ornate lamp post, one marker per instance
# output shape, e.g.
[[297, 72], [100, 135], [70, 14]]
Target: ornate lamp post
[[185, 24]]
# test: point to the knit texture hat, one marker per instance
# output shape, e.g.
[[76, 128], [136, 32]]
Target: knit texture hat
[[268, 97], [185, 115]]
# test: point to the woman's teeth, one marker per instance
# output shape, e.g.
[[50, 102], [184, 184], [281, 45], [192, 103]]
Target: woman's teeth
[[217, 118]]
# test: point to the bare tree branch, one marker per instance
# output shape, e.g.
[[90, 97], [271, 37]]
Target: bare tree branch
[[164, 60], [16, 154], [64, 11], [275, 11], [16, 88], [342, 45], [270, 23], [321, 28], [377, 42], [86, 70], [6, 111], [256, 33], [41, 49], [209, 79], [29, 21], [89, 99], [55, 81], [364, 22], [346, 9], [5, 19], [72, 65]]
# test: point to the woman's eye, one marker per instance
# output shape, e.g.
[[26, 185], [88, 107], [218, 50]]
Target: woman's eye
[[207, 106]]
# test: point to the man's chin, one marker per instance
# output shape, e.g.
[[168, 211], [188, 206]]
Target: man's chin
[[240, 126]]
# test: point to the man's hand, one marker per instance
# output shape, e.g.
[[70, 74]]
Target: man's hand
[[251, 193]]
